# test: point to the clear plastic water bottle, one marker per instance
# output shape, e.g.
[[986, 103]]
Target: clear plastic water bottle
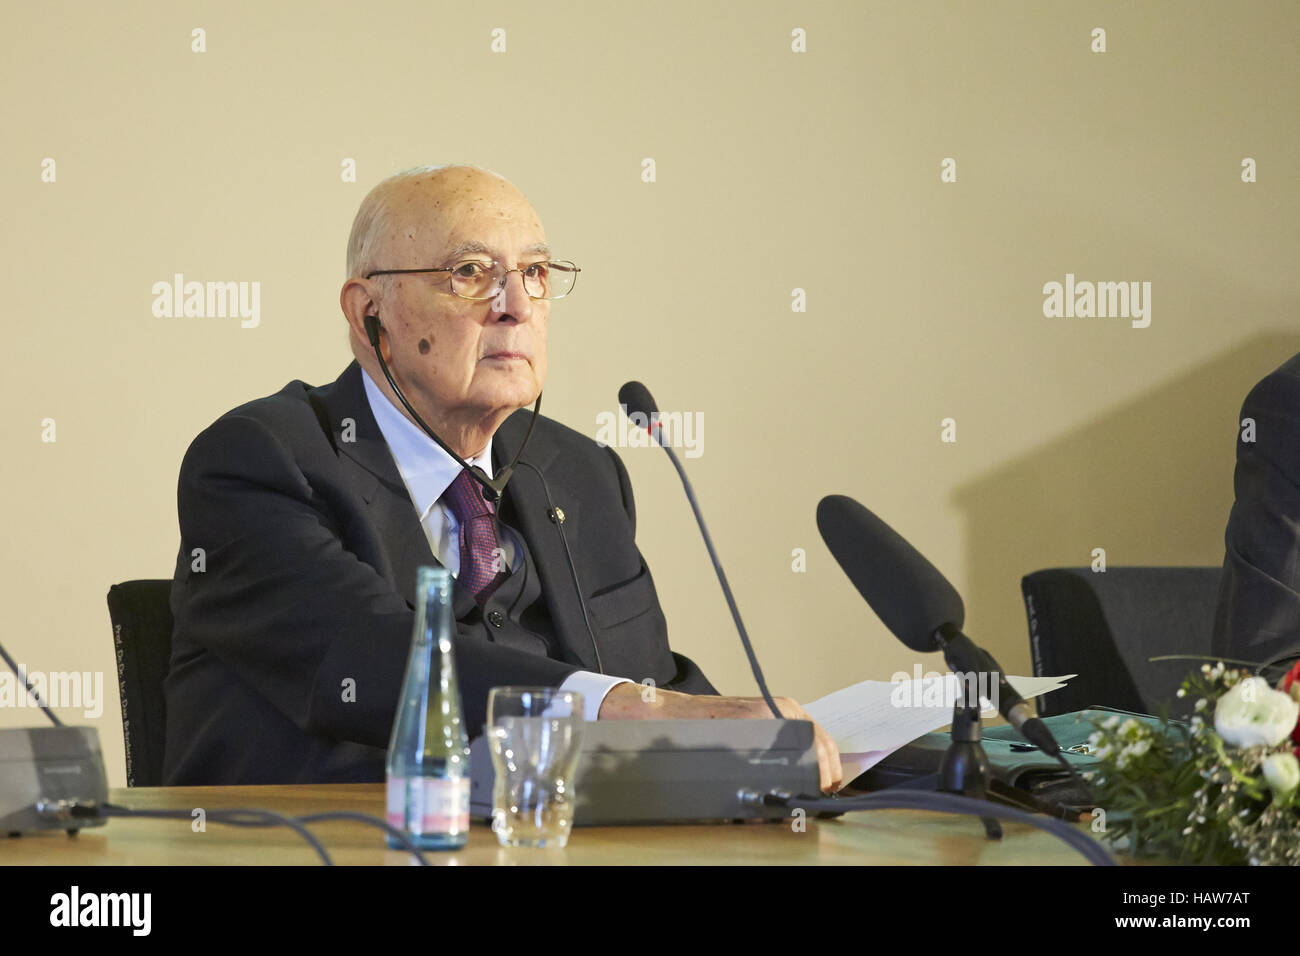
[[428, 755]]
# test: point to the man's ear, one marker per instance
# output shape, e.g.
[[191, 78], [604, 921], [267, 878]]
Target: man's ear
[[358, 300]]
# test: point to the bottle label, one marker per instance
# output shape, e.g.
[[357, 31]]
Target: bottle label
[[429, 804]]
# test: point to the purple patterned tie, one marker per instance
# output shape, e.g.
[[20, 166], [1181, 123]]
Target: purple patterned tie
[[482, 562]]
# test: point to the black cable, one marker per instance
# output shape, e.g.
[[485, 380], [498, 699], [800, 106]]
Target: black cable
[[904, 799], [400, 835], [396, 832], [494, 488], [264, 818], [240, 817], [246, 817]]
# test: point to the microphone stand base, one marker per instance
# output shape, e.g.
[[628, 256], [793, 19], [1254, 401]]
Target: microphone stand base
[[965, 767]]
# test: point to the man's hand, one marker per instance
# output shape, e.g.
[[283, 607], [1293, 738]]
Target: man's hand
[[625, 702]]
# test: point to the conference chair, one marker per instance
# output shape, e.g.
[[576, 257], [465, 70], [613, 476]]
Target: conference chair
[[142, 639], [1105, 626]]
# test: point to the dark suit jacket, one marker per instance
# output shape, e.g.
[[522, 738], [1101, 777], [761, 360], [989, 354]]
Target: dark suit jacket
[[311, 545], [1258, 617]]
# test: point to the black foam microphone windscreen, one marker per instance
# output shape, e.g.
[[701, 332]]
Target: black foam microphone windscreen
[[635, 397], [906, 591]]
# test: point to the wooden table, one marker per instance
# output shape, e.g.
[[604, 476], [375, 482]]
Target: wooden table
[[877, 837]]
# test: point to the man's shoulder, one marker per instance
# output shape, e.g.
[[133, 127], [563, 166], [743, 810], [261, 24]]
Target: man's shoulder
[[1269, 426], [554, 442], [297, 398], [1278, 391], [298, 411], [286, 405]]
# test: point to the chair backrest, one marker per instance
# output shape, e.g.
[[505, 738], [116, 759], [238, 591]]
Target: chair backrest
[[142, 639], [1104, 626]]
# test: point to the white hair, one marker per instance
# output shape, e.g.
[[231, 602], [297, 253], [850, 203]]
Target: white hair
[[372, 220]]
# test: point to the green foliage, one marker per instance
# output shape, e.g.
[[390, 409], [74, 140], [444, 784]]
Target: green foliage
[[1182, 793]]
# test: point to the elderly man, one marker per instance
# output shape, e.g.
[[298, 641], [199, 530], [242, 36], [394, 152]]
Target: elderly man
[[304, 516]]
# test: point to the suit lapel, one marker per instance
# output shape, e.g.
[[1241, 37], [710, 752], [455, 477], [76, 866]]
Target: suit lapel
[[525, 505], [359, 443]]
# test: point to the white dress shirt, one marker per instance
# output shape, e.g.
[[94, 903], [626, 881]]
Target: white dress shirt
[[428, 471]]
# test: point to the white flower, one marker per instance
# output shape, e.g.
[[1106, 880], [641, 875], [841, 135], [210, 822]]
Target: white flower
[[1138, 747], [1252, 713], [1110, 723], [1282, 771]]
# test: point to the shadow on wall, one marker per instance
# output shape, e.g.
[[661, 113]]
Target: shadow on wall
[[1151, 483]]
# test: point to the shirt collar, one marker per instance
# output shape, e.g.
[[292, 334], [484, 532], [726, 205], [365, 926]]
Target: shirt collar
[[426, 469]]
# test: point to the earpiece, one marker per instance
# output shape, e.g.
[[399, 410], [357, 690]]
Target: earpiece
[[372, 331]]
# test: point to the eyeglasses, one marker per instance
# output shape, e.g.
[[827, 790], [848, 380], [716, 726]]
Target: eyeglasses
[[478, 279]]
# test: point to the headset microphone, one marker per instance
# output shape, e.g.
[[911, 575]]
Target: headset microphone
[[493, 488]]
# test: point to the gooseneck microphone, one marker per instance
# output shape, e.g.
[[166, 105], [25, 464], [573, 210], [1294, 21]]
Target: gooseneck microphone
[[636, 401], [916, 602], [493, 488], [28, 688]]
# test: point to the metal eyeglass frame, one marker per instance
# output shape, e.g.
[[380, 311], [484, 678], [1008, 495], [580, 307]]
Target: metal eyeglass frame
[[501, 278]]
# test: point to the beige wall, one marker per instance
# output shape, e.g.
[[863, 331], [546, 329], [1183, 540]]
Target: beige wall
[[776, 170]]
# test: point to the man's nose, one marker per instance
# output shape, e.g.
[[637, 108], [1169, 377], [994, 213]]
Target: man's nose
[[513, 300]]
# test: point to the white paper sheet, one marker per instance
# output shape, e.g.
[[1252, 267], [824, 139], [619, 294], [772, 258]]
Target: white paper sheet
[[871, 719]]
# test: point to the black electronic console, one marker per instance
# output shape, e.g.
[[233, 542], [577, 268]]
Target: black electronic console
[[44, 771], [661, 771]]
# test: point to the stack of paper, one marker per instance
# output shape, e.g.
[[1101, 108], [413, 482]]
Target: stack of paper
[[872, 719]]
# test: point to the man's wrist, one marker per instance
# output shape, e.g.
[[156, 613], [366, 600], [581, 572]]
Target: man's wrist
[[624, 702], [638, 702]]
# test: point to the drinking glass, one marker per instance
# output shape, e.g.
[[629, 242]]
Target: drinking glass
[[535, 737]]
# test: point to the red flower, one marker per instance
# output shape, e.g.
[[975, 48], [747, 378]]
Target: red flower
[[1285, 685]]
